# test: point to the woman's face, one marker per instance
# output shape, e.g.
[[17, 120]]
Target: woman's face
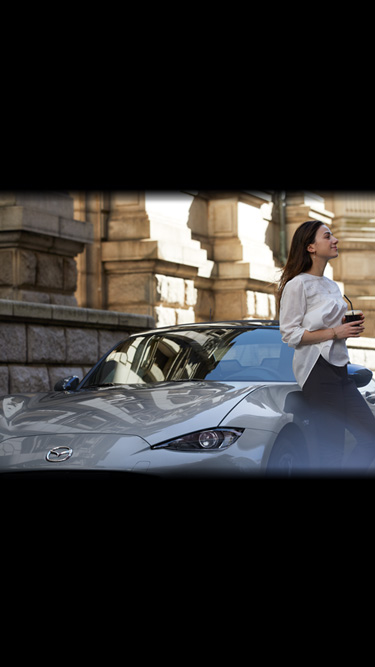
[[325, 244]]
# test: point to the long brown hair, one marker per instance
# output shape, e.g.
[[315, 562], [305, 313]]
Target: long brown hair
[[299, 259]]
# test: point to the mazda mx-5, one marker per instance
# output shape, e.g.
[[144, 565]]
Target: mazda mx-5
[[211, 399]]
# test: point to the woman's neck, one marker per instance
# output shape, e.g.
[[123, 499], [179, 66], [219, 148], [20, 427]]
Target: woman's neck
[[318, 268]]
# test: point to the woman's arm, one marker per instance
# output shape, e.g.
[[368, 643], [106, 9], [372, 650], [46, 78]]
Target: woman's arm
[[292, 309], [348, 330]]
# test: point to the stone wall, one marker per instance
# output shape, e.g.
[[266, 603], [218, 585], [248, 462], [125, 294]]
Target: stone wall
[[40, 343], [39, 240]]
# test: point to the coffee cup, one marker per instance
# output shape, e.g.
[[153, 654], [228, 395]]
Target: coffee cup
[[353, 315]]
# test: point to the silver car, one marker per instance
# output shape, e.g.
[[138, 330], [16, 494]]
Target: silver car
[[213, 399]]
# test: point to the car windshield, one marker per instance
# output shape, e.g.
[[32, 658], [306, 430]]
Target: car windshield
[[218, 354]]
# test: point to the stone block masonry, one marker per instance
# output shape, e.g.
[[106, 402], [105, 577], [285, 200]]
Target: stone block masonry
[[42, 343], [39, 240]]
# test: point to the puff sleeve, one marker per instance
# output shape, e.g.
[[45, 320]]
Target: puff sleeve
[[293, 307]]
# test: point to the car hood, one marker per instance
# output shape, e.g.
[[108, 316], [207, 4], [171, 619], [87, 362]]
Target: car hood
[[154, 413]]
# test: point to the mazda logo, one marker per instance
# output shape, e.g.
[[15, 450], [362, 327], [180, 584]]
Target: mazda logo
[[59, 454]]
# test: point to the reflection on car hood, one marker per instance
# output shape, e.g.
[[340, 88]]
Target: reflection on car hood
[[155, 413]]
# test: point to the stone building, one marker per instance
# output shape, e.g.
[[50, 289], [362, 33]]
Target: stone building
[[44, 334], [190, 256], [81, 270]]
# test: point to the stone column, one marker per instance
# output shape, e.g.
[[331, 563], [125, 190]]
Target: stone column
[[149, 257], [303, 206], [93, 207], [354, 226], [39, 240], [236, 237]]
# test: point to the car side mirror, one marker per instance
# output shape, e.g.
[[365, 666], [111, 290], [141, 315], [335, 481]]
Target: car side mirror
[[67, 384], [360, 374]]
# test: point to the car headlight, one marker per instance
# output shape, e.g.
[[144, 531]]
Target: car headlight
[[212, 438]]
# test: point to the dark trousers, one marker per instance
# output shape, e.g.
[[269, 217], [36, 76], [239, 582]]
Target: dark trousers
[[337, 404]]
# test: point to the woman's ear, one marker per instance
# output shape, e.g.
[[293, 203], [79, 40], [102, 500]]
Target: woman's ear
[[311, 248]]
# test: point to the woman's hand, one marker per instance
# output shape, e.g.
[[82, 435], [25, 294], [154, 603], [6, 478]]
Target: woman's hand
[[350, 329]]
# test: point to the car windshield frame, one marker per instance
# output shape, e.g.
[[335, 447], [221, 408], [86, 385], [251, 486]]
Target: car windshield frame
[[201, 352]]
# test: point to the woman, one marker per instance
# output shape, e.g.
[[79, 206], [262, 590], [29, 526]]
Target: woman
[[312, 322]]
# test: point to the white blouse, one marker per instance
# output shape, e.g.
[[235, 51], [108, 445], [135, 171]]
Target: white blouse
[[309, 303]]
